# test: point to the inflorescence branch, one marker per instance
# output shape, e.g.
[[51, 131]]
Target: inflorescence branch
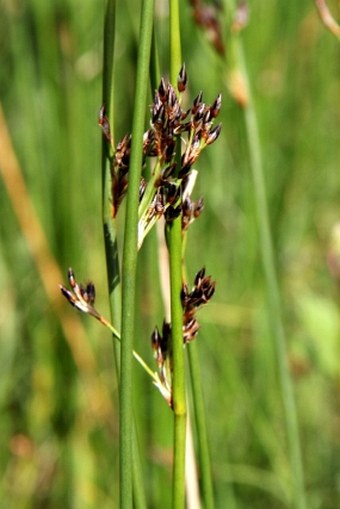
[[200, 294], [162, 195], [167, 194]]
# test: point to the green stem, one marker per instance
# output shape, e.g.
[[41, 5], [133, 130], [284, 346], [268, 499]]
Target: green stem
[[110, 233], [178, 381], [199, 413], [155, 71], [201, 428], [130, 256], [138, 358], [175, 41], [139, 499], [275, 309], [175, 258]]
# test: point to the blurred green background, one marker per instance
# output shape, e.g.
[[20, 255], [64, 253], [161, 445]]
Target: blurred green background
[[58, 390]]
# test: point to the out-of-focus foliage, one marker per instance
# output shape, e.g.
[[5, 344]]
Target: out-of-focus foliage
[[58, 431]]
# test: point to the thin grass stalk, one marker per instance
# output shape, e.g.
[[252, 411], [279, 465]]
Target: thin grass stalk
[[204, 462], [179, 397], [110, 231], [268, 260], [201, 428], [139, 497], [155, 72], [199, 414], [175, 41], [175, 248], [276, 311], [110, 234], [129, 265], [175, 259], [109, 224]]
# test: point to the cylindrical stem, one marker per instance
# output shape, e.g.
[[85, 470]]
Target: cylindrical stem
[[130, 256]]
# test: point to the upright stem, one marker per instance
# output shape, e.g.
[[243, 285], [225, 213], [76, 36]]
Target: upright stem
[[175, 41], [275, 309], [201, 428], [179, 397], [109, 225], [200, 415], [130, 256], [110, 234], [175, 256]]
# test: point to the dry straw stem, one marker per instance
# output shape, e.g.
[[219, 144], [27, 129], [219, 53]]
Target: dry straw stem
[[327, 18], [50, 275]]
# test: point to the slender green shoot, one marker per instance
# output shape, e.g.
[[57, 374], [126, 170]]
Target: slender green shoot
[[268, 260], [201, 428], [178, 387], [130, 256], [175, 256], [275, 303], [109, 224]]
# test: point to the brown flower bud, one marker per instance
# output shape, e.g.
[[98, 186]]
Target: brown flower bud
[[216, 106], [182, 79], [213, 134]]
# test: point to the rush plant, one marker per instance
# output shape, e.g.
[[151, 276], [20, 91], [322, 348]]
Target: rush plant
[[153, 171]]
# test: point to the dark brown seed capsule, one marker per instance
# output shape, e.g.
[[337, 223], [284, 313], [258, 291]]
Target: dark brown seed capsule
[[158, 115], [104, 123], [206, 116], [169, 150], [182, 79], [199, 206], [172, 192], [142, 187], [187, 207], [155, 339], [168, 171], [162, 90], [171, 213], [199, 276], [216, 106], [190, 330], [196, 102], [211, 290], [89, 293], [213, 134], [199, 113]]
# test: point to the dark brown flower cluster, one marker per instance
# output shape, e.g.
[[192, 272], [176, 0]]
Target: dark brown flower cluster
[[81, 296], [161, 345], [199, 295], [169, 121], [172, 130]]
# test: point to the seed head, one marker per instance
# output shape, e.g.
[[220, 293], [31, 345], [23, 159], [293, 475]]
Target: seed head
[[81, 296]]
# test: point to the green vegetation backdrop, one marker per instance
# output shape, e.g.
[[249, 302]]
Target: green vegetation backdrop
[[58, 391]]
